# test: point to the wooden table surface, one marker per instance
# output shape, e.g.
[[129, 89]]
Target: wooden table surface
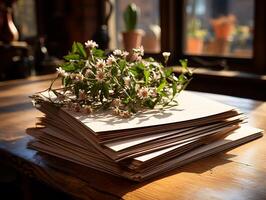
[[236, 174]]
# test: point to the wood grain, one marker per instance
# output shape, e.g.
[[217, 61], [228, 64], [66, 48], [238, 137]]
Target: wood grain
[[236, 174]]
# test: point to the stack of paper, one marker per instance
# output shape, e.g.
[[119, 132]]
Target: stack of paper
[[145, 145]]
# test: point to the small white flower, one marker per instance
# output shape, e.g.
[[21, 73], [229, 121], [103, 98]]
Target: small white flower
[[72, 76], [76, 77], [100, 76], [61, 72], [127, 80], [155, 64], [79, 77], [117, 52], [143, 93], [166, 54], [124, 54], [110, 60], [136, 57], [91, 44], [100, 63], [139, 51], [156, 75], [147, 64]]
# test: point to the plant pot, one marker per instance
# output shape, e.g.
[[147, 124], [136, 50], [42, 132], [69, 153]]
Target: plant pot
[[224, 27], [194, 45], [224, 31], [132, 39]]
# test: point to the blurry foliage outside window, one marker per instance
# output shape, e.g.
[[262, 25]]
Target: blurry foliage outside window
[[219, 28], [148, 22]]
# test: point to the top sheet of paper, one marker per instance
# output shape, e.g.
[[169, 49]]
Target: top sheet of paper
[[190, 107]]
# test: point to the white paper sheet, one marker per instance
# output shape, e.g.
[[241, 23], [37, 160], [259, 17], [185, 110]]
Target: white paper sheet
[[190, 107]]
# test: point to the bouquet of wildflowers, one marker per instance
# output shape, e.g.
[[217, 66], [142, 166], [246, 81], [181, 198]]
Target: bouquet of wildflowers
[[119, 82]]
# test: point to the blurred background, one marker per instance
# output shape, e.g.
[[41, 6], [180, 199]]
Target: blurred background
[[223, 39]]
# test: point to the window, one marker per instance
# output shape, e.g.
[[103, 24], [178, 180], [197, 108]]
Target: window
[[244, 50], [219, 28], [149, 23]]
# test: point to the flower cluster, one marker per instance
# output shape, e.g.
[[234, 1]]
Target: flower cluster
[[125, 83]]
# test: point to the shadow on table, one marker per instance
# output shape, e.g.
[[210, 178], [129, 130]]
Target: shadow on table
[[117, 186]]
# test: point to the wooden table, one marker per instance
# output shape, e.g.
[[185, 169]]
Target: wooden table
[[236, 174]]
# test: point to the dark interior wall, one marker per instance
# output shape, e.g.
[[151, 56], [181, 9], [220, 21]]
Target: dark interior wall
[[63, 21]]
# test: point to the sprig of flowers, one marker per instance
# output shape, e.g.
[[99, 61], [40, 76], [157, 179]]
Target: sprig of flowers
[[121, 82]]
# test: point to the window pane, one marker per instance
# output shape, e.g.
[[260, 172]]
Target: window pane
[[219, 28], [148, 22]]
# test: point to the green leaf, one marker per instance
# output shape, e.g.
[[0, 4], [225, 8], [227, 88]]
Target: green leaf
[[137, 70], [168, 71], [161, 86], [66, 81], [72, 57], [122, 64], [95, 90], [140, 66], [182, 78], [174, 87], [185, 85], [183, 63], [131, 16], [81, 50], [114, 71], [126, 100], [134, 71], [74, 48], [146, 76], [164, 94], [105, 90], [68, 67], [149, 103], [98, 53]]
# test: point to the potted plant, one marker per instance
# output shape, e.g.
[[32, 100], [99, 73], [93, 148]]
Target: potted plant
[[131, 37], [195, 37], [223, 28]]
